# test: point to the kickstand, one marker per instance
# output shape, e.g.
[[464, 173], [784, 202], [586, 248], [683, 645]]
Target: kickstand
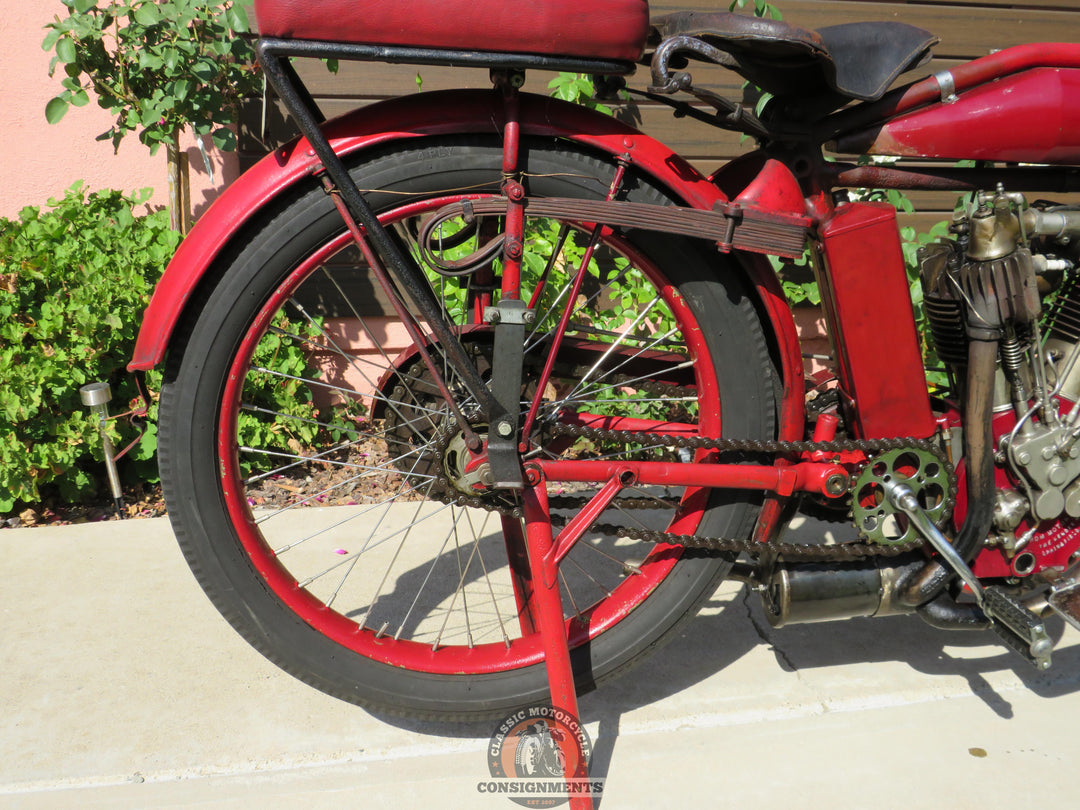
[[548, 613]]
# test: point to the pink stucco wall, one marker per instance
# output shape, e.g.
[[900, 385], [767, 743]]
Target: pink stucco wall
[[40, 160]]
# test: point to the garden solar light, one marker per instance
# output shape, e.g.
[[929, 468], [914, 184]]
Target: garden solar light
[[96, 397]]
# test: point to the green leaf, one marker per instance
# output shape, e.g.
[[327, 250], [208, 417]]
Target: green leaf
[[204, 70], [55, 110], [149, 61], [237, 19], [147, 14], [65, 51], [224, 139], [51, 37]]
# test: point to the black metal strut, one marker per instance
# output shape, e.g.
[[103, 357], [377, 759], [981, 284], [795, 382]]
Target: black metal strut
[[273, 55]]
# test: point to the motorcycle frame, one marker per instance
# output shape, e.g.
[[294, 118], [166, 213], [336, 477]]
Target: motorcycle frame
[[884, 398]]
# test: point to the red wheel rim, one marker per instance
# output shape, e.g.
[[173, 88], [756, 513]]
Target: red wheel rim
[[417, 656]]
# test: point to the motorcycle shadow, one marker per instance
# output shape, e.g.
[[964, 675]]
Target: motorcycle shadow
[[732, 625]]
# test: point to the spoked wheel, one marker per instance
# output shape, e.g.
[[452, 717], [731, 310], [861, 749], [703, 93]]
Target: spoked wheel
[[412, 592]]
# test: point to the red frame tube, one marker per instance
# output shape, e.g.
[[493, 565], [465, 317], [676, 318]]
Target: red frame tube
[[807, 476], [547, 608], [965, 76]]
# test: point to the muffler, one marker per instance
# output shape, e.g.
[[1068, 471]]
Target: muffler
[[796, 593]]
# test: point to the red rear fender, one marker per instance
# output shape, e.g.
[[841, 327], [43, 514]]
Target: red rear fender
[[429, 114]]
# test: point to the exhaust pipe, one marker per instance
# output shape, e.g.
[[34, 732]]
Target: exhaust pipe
[[925, 584]]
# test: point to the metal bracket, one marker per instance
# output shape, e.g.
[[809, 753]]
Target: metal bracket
[[509, 317], [947, 84], [509, 314]]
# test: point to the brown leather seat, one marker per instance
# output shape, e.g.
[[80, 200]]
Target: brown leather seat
[[589, 29]]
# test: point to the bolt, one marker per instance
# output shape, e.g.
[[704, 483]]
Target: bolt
[[836, 484], [1047, 453], [1042, 647], [513, 249], [504, 429], [514, 191], [529, 316], [1023, 457]]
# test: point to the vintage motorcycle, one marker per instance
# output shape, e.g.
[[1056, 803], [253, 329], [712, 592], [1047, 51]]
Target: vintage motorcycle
[[601, 411]]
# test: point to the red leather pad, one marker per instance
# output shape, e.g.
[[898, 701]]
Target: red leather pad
[[596, 29]]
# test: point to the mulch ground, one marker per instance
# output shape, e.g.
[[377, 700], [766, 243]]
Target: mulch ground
[[326, 484], [140, 501]]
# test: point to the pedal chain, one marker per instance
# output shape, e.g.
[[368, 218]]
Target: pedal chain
[[713, 546]]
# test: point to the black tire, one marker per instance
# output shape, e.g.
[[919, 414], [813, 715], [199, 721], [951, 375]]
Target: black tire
[[343, 650]]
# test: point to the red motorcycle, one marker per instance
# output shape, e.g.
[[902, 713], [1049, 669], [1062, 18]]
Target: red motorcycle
[[601, 411]]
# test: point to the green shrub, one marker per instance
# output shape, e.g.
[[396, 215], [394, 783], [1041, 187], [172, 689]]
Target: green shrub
[[159, 66], [74, 281]]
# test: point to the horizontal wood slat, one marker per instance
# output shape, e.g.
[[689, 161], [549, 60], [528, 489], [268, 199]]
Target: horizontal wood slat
[[374, 80], [688, 137]]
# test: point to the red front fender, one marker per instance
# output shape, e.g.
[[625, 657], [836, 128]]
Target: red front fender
[[441, 113]]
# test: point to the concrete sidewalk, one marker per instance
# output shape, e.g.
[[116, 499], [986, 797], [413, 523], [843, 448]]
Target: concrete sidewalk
[[122, 687]]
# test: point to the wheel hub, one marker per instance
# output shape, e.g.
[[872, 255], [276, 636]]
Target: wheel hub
[[467, 472]]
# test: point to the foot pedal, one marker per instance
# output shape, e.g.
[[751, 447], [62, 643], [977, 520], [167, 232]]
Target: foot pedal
[[1020, 629], [1064, 598]]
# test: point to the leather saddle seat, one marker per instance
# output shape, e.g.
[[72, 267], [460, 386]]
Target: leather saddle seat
[[851, 60], [603, 30]]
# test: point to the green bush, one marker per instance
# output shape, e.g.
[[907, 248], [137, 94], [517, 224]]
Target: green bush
[[74, 281]]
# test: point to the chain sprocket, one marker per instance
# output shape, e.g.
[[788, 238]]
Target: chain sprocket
[[875, 517]]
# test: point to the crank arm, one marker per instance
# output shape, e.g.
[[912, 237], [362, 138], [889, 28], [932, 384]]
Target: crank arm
[[1020, 629], [902, 498]]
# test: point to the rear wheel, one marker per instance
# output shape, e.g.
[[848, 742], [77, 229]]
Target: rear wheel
[[411, 592]]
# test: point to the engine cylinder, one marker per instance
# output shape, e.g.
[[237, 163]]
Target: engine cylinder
[[942, 304]]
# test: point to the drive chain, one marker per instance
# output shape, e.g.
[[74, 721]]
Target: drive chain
[[713, 546]]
